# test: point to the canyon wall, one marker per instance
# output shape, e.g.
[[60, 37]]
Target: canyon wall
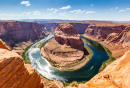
[[80, 27], [13, 32], [14, 73]]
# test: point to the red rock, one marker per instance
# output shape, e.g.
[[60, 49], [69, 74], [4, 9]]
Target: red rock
[[66, 34], [13, 32]]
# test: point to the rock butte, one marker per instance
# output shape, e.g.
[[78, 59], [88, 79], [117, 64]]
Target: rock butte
[[66, 47]]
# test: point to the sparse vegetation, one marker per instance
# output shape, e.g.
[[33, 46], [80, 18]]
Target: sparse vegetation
[[24, 55], [25, 50], [111, 59]]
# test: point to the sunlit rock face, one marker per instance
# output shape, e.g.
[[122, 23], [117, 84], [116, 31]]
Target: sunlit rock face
[[66, 47], [14, 73], [115, 75], [66, 34], [3, 45]]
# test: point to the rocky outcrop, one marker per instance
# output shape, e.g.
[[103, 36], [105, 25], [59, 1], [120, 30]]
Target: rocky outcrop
[[122, 38], [102, 31], [66, 47], [3, 45], [66, 34], [13, 32], [115, 75], [14, 74]]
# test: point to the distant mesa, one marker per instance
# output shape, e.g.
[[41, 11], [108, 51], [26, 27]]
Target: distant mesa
[[66, 47]]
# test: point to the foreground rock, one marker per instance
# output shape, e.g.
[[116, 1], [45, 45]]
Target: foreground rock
[[3, 45], [14, 74], [65, 48], [116, 75]]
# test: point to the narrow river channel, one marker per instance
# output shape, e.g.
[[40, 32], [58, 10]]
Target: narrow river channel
[[83, 74]]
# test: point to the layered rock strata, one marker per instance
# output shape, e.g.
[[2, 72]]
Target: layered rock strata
[[13, 32], [66, 47], [14, 74]]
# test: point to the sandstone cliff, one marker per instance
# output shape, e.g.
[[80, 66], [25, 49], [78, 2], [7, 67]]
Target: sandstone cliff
[[114, 36], [3, 45], [66, 47], [14, 74], [66, 34], [102, 31], [115, 75], [13, 32], [80, 27]]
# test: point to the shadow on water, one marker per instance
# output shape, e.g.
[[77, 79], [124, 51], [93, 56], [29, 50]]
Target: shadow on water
[[83, 74]]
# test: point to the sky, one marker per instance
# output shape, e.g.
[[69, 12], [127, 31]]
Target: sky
[[113, 10]]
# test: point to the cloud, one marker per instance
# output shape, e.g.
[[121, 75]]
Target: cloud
[[92, 4], [116, 7], [78, 11], [51, 9], [124, 10], [88, 12], [67, 7], [56, 11], [26, 3], [36, 13]]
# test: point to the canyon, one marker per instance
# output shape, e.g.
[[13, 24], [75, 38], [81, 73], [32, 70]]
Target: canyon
[[112, 35], [66, 46], [18, 35], [15, 74]]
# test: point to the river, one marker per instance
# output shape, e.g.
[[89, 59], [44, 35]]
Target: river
[[83, 74]]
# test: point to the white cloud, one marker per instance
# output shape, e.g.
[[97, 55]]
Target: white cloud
[[88, 12], [116, 7], [56, 11], [92, 4], [78, 11], [26, 3], [124, 10], [51, 9], [36, 13], [67, 7]]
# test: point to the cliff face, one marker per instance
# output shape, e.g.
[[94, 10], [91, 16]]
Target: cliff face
[[80, 27], [14, 74], [3, 46], [102, 31], [122, 38], [115, 75], [13, 31], [66, 34]]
